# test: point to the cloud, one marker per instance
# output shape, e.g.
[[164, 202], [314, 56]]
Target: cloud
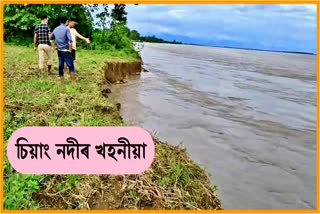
[[179, 14], [269, 26]]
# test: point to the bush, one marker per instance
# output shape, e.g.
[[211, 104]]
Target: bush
[[115, 38]]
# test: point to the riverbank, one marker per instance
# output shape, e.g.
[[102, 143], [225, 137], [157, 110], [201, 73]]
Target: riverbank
[[174, 181]]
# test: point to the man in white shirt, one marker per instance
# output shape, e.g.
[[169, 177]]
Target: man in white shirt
[[75, 35]]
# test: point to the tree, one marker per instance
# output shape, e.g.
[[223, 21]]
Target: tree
[[134, 35], [102, 17], [20, 19], [118, 14]]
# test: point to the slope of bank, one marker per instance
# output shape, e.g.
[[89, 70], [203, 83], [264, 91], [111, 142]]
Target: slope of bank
[[174, 181]]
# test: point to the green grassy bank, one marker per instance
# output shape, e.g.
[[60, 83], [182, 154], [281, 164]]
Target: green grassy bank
[[172, 182]]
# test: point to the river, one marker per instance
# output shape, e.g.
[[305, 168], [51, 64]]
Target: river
[[248, 117]]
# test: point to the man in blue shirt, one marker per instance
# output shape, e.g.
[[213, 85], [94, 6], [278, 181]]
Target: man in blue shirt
[[63, 41]]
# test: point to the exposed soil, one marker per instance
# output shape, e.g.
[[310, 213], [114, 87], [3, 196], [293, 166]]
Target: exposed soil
[[117, 72]]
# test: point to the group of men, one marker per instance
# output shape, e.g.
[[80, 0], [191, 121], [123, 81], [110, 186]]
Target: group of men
[[63, 38]]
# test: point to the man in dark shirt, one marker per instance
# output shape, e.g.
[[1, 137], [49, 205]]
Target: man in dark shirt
[[42, 41]]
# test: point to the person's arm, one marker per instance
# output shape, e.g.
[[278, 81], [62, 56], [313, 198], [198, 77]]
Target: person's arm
[[35, 38], [52, 38], [35, 41], [70, 47], [53, 45], [49, 33], [82, 37], [69, 40]]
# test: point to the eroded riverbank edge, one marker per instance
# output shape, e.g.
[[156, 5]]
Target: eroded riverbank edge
[[173, 181]]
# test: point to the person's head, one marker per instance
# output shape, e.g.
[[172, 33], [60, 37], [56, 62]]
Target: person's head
[[44, 19], [63, 20], [72, 22]]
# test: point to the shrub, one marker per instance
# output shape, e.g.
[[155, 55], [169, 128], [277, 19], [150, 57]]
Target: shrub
[[115, 38]]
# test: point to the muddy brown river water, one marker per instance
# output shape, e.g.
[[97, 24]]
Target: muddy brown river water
[[247, 117]]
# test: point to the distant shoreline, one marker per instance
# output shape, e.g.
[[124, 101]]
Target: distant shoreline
[[254, 49], [216, 46]]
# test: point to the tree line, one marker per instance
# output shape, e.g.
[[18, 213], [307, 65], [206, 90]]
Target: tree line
[[20, 20], [106, 29]]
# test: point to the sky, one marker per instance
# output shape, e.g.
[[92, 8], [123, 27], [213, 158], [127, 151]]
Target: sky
[[284, 27]]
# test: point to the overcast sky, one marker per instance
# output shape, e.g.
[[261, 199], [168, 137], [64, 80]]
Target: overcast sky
[[274, 27]]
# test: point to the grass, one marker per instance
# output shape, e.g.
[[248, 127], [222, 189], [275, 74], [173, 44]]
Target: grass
[[172, 182]]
